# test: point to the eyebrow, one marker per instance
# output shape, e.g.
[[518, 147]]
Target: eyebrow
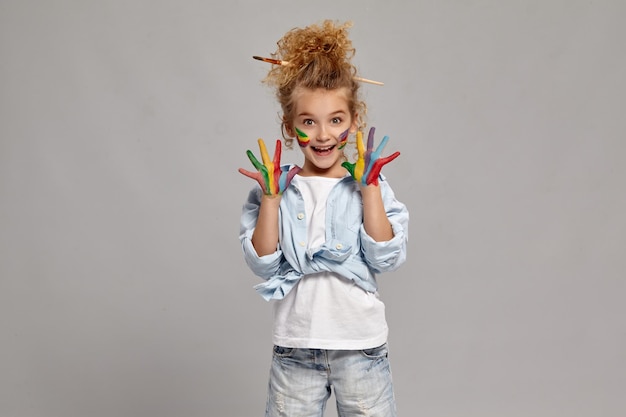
[[335, 113]]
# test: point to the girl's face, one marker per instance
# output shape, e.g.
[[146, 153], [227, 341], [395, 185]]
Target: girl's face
[[322, 115]]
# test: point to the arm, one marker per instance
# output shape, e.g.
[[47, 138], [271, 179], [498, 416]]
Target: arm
[[388, 255], [265, 236], [263, 266], [375, 219]]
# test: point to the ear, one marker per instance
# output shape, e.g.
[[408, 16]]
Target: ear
[[288, 129], [354, 126]]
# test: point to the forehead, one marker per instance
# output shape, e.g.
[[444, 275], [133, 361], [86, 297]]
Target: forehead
[[320, 101]]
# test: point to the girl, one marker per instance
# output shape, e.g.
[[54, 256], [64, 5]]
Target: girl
[[318, 235]]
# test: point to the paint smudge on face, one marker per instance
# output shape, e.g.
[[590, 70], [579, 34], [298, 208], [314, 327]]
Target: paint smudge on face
[[343, 139], [303, 139]]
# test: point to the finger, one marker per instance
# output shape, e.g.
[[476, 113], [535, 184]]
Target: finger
[[350, 167], [373, 175], [277, 154], [359, 144], [264, 155], [286, 176], [381, 146], [255, 176], [370, 138], [262, 169], [360, 162], [390, 158], [268, 172], [292, 173], [370, 146], [254, 161], [276, 167], [294, 170]]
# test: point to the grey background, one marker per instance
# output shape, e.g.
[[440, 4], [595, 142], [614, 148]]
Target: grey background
[[122, 124]]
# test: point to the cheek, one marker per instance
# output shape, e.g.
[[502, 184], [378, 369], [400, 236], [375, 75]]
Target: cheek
[[303, 142], [303, 139], [306, 152], [343, 139]]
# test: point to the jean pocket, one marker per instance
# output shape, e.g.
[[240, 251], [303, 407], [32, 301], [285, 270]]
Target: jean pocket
[[283, 352], [377, 352]]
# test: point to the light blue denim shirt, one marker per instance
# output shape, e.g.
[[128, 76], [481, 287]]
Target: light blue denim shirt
[[348, 250]]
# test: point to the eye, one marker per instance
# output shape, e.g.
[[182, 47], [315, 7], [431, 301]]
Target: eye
[[307, 122], [336, 120]]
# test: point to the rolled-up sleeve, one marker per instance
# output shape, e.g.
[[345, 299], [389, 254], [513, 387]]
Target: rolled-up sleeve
[[388, 255], [264, 266]]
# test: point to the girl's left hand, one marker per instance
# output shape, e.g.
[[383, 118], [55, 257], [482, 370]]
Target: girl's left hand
[[272, 178], [368, 165]]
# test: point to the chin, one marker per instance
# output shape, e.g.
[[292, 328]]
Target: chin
[[326, 163]]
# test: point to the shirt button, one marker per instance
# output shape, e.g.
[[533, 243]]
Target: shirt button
[[302, 243], [339, 246], [300, 216]]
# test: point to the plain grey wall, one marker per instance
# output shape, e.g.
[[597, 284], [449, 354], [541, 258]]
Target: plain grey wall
[[122, 124]]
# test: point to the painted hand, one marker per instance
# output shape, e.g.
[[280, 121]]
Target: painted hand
[[272, 178], [367, 167]]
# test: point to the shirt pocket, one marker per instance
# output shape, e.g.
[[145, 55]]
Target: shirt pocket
[[350, 214]]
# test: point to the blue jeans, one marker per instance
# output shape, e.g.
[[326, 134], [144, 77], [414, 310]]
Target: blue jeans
[[301, 380]]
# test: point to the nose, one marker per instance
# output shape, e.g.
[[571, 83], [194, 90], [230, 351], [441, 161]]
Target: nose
[[323, 135]]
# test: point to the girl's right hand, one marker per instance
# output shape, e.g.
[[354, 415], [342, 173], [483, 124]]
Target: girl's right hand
[[272, 178]]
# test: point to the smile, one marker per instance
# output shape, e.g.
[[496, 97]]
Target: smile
[[322, 149]]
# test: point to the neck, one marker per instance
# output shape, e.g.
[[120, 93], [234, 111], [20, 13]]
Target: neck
[[310, 170]]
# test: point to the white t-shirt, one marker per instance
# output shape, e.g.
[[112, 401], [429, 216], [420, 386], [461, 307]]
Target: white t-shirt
[[325, 310]]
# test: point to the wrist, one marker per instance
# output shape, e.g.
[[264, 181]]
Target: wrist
[[369, 188], [271, 199]]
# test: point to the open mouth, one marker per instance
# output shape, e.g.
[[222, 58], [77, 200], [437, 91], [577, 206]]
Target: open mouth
[[322, 150]]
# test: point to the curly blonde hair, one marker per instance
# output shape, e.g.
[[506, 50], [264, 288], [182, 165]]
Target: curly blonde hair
[[318, 56]]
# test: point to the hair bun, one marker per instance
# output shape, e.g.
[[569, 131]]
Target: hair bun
[[300, 47]]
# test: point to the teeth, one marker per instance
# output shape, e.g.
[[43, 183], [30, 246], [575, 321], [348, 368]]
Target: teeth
[[317, 148]]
